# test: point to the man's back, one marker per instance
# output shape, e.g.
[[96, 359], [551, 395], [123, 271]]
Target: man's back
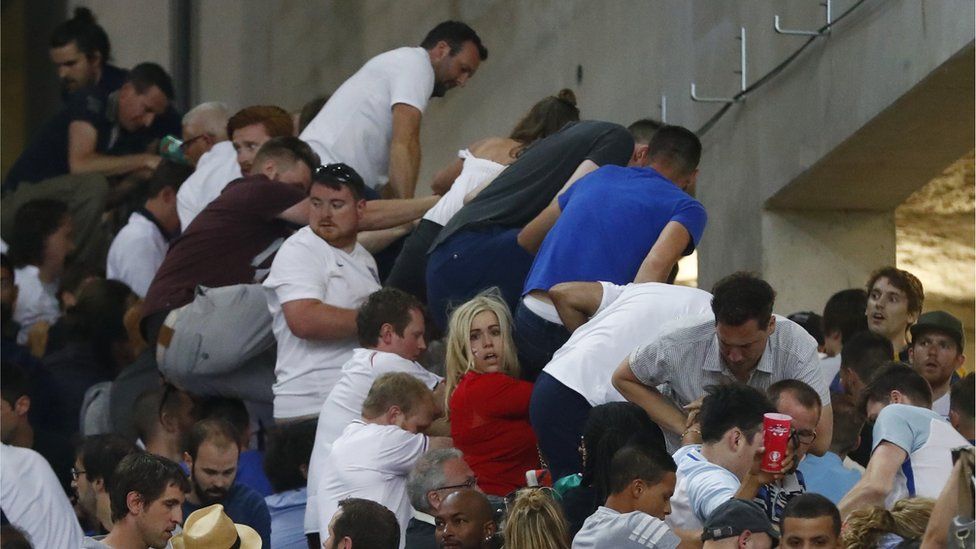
[[702, 486], [607, 529], [32, 501]]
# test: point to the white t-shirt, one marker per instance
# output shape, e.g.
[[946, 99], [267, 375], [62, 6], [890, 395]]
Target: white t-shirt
[[136, 253], [215, 169], [33, 500], [702, 486], [307, 267], [474, 172], [356, 125], [372, 462], [941, 405], [628, 316], [36, 301]]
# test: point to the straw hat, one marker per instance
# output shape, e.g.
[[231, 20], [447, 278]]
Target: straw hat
[[211, 528]]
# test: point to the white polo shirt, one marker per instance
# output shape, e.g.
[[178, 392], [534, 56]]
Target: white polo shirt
[[136, 253], [307, 267], [372, 462], [628, 316], [356, 125], [215, 169], [33, 500]]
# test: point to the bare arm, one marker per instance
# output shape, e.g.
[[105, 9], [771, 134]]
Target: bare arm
[[531, 236], [312, 319], [667, 250], [945, 508], [405, 150], [576, 302], [384, 214], [658, 408], [377, 241], [82, 158], [825, 432], [690, 539], [297, 214], [877, 481], [444, 179]]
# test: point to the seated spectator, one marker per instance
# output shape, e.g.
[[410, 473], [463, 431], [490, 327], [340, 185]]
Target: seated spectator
[[936, 352], [895, 299], [139, 248], [362, 523], [488, 404], [146, 497], [211, 457], [203, 127], [843, 316], [466, 520], [641, 485], [31, 499], [375, 454], [93, 474], [535, 521], [248, 130], [319, 277], [860, 358], [478, 247], [250, 464], [163, 417], [577, 238], [286, 460], [912, 444], [434, 477], [462, 179], [871, 527], [722, 466], [617, 319], [608, 428], [799, 401], [962, 407], [810, 520], [39, 245], [210, 527], [739, 524], [81, 51], [827, 474]]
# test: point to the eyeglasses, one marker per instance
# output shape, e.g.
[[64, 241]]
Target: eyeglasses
[[470, 483], [186, 144], [805, 437], [339, 171], [76, 473]]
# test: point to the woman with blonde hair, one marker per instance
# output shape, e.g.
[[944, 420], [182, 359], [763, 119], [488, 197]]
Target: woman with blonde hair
[[535, 521], [488, 405], [879, 527]]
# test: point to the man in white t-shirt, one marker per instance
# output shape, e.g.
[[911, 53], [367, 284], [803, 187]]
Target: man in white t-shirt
[[608, 321], [33, 501], [318, 279], [372, 122], [912, 445], [375, 454], [936, 352]]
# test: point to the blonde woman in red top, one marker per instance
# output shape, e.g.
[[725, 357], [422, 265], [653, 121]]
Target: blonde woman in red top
[[488, 404]]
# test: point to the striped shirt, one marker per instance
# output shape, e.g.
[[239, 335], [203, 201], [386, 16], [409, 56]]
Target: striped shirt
[[609, 529], [685, 359]]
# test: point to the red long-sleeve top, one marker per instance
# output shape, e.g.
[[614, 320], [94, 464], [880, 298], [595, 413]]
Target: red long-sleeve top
[[490, 424]]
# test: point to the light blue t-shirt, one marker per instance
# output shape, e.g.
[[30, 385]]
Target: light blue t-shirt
[[702, 486], [928, 439], [827, 476], [288, 519], [610, 220]]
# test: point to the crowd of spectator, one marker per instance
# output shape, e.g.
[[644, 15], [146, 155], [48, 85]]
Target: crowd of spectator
[[243, 329]]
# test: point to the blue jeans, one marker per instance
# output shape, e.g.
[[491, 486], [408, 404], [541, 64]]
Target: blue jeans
[[557, 414], [536, 339]]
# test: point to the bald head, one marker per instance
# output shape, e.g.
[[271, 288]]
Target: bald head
[[464, 520], [472, 502]]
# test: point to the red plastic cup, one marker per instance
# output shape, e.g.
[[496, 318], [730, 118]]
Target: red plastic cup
[[776, 439]]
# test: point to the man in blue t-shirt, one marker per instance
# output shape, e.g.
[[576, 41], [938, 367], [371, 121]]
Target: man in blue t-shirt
[[617, 224], [912, 454]]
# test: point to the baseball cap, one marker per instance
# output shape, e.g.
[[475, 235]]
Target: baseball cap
[[939, 321], [736, 516]]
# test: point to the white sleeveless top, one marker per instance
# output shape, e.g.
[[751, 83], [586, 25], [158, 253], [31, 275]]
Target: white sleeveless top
[[475, 172]]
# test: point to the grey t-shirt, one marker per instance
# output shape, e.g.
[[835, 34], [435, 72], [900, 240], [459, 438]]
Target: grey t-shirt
[[530, 183], [608, 529]]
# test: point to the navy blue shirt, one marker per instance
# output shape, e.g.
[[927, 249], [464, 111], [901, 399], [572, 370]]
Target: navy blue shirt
[[244, 506]]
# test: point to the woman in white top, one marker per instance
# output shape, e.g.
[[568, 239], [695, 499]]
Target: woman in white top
[[473, 170]]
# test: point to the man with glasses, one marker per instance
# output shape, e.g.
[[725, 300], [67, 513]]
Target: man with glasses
[[436, 474], [93, 472], [203, 127]]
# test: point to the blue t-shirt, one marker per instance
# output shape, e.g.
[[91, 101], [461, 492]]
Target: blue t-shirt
[[250, 472], [288, 519], [244, 506], [610, 220], [827, 476]]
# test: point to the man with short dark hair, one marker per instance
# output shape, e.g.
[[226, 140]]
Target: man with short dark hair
[[93, 473], [578, 236], [362, 523], [741, 341], [810, 520], [162, 417], [437, 473], [372, 121], [962, 407], [895, 300], [81, 51], [465, 520], [739, 524], [936, 352], [829, 474], [146, 496], [911, 454], [642, 481], [211, 456], [843, 316], [860, 359]]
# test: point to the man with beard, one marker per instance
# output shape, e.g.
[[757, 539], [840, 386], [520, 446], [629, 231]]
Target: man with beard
[[211, 457], [94, 472], [372, 122], [936, 352], [80, 49]]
